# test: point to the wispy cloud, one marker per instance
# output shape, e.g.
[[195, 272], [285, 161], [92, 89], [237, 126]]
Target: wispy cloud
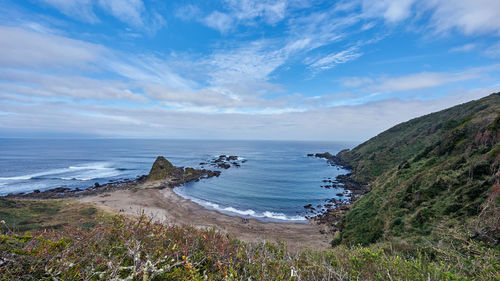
[[464, 48], [493, 51], [467, 16], [23, 48], [79, 9], [392, 11], [220, 21], [131, 12], [416, 81], [357, 122], [271, 11], [245, 12], [331, 60]]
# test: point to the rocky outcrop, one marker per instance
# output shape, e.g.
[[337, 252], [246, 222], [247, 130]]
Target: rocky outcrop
[[163, 170], [334, 160], [224, 162]]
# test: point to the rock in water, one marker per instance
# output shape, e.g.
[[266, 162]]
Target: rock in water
[[162, 169]]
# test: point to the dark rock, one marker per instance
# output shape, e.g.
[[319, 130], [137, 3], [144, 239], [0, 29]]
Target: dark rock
[[232, 158], [36, 191], [224, 165]]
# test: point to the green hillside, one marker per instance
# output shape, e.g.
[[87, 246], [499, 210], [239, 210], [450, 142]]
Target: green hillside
[[427, 175]]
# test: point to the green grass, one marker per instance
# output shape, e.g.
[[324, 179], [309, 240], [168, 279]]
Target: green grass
[[28, 215], [434, 171], [139, 249]]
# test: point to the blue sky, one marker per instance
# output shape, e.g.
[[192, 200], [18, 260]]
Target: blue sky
[[301, 70]]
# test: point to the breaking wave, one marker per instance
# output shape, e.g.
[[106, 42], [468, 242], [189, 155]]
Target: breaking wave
[[245, 213], [82, 173]]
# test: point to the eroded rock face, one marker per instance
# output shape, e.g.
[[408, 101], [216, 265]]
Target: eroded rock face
[[162, 169]]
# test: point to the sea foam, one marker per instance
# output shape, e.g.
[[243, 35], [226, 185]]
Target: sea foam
[[249, 213]]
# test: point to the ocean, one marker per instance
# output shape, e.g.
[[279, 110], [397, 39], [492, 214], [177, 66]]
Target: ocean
[[274, 183]]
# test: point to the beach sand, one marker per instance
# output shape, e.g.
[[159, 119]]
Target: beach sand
[[167, 207]]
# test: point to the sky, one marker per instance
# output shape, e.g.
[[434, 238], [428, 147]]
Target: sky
[[228, 69]]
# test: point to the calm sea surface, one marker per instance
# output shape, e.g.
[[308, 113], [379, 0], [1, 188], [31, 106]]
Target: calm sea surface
[[275, 182]]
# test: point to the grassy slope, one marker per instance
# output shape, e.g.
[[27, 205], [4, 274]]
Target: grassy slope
[[137, 249], [431, 173], [29, 215]]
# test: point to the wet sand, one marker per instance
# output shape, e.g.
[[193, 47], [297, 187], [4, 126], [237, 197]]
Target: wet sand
[[167, 207]]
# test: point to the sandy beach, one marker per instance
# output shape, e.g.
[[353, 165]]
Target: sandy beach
[[167, 207]]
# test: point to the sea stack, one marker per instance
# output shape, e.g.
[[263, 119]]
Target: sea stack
[[162, 169]]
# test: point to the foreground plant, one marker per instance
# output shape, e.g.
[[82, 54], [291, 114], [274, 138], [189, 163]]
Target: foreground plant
[[124, 249]]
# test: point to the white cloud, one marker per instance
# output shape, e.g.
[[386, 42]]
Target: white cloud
[[358, 122], [271, 11], [125, 10], [251, 61], [61, 67], [29, 83], [246, 12], [464, 48], [416, 81], [23, 48], [334, 59], [188, 12], [131, 12], [220, 21], [392, 11], [79, 9], [468, 16]]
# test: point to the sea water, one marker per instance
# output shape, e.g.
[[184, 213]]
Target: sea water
[[274, 183]]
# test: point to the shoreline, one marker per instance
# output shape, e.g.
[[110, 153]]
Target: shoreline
[[165, 206], [157, 199], [231, 211]]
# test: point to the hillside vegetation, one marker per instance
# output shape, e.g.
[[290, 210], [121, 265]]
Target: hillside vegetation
[[117, 248], [431, 174]]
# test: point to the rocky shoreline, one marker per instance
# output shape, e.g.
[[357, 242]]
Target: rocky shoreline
[[65, 192], [170, 176], [162, 170], [331, 212]]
